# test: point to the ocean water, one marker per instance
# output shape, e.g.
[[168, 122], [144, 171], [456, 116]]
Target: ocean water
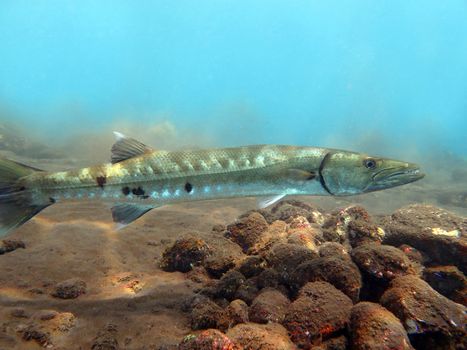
[[384, 77]]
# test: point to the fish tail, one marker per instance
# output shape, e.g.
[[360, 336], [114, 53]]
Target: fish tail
[[16, 202]]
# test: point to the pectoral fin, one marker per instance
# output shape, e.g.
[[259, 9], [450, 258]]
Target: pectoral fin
[[267, 201], [300, 175], [124, 214]]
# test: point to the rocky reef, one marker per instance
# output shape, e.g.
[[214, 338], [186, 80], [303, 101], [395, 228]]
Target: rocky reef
[[309, 279]]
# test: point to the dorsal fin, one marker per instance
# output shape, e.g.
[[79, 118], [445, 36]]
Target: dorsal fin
[[126, 147]]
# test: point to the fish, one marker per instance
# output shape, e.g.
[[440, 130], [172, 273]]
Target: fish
[[140, 178]]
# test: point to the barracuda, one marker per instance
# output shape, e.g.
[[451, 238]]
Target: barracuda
[[139, 178]]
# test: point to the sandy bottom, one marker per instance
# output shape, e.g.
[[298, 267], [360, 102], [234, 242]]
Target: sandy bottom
[[125, 286]]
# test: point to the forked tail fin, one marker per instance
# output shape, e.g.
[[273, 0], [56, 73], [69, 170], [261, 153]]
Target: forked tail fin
[[16, 206]]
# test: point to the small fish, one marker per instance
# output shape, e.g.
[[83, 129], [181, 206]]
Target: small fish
[[139, 178]]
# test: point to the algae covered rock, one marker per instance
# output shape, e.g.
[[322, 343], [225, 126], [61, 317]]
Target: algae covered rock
[[431, 320], [285, 257], [69, 289], [269, 306], [184, 254], [372, 327], [270, 336], [382, 261], [237, 312], [247, 230], [341, 273], [208, 314], [436, 232], [320, 312], [447, 280], [210, 339]]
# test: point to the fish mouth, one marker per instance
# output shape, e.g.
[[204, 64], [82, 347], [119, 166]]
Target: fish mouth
[[396, 176]]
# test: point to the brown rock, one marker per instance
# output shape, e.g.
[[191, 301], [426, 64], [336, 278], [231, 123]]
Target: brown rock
[[333, 249], [247, 231], [320, 312], [70, 289], [342, 273], [434, 231], [307, 236], [237, 312], [275, 233], [431, 320], [106, 339], [285, 257], [255, 336], [210, 339], [372, 327], [447, 280], [269, 306], [252, 266], [352, 223], [247, 292], [268, 278], [9, 245], [382, 261], [208, 315], [38, 334], [218, 264], [228, 284], [184, 254], [287, 209]]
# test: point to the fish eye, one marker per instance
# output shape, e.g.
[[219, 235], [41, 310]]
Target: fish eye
[[369, 163]]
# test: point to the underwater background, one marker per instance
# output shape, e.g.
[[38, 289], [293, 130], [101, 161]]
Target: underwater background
[[384, 77]]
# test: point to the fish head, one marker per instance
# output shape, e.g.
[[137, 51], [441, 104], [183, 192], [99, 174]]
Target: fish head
[[348, 173]]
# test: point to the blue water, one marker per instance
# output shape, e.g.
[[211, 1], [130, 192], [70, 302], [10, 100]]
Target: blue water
[[325, 73]]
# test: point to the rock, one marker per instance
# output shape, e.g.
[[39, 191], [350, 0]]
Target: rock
[[372, 327], [38, 334], [334, 249], [9, 245], [228, 285], [447, 280], [431, 320], [414, 255], [247, 230], [268, 278], [340, 272], [254, 336], [269, 306], [352, 223], [304, 234], [184, 254], [69, 289], [237, 312], [436, 232], [106, 339], [208, 315], [210, 339], [320, 312], [247, 292], [218, 264], [198, 275], [252, 266], [275, 233], [285, 257], [337, 343], [382, 261], [291, 208]]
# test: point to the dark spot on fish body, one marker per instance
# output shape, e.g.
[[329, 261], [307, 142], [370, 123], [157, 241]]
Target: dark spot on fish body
[[138, 191], [188, 187], [22, 188], [101, 180], [126, 190]]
